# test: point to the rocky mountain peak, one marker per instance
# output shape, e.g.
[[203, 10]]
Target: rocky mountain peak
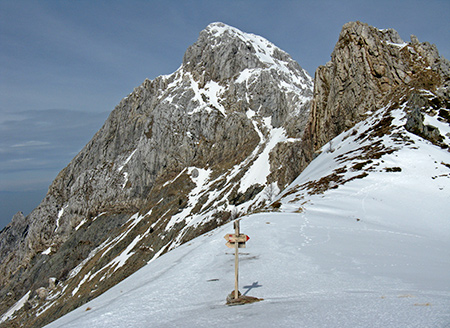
[[175, 158], [223, 52]]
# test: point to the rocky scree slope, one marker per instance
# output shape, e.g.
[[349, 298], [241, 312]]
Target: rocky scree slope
[[174, 159]]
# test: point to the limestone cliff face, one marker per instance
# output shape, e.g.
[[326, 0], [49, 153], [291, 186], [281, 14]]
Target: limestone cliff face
[[176, 157], [368, 69]]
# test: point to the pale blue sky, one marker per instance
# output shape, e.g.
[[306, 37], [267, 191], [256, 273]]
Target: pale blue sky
[[64, 65]]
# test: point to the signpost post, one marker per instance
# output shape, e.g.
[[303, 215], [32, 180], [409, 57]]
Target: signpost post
[[236, 241], [236, 261]]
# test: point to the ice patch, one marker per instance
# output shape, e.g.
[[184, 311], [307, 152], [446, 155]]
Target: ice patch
[[258, 172], [212, 92], [120, 260], [47, 251], [174, 179], [86, 277], [126, 161], [444, 128], [16, 307], [201, 179], [60, 214], [399, 45]]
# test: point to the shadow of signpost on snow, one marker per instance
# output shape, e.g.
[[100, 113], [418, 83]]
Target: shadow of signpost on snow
[[250, 287]]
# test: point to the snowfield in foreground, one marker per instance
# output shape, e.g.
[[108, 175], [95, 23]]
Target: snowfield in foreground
[[312, 271], [337, 264], [357, 241]]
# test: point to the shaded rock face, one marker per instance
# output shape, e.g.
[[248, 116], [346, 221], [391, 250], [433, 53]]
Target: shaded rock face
[[423, 105], [13, 234], [368, 69], [174, 159]]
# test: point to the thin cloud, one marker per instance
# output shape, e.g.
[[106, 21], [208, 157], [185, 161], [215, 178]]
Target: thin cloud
[[31, 143], [42, 142], [34, 147]]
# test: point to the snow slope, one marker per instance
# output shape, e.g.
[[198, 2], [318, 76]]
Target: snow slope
[[312, 271], [360, 239]]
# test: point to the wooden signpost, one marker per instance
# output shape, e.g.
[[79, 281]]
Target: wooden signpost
[[236, 241]]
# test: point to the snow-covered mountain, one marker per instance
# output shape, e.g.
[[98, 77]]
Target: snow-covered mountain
[[177, 157], [360, 239], [345, 194]]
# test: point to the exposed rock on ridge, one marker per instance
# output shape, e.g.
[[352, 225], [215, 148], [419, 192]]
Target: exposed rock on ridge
[[368, 68]]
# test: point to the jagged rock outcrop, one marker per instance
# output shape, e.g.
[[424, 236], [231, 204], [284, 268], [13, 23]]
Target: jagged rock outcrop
[[423, 104], [174, 159], [369, 68], [13, 233]]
